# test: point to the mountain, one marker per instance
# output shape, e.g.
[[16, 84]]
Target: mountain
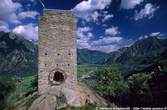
[[17, 55], [142, 54], [142, 51], [86, 56]]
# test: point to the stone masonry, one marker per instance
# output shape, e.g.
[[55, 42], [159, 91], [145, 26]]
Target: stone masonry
[[57, 66]]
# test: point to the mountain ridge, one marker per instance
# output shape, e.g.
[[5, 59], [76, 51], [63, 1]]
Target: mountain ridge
[[19, 56]]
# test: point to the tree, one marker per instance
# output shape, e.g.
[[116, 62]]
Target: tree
[[6, 87], [139, 90], [109, 83]]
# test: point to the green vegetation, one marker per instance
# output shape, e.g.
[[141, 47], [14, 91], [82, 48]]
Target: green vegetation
[[7, 86], [18, 56], [146, 89], [86, 56], [17, 90], [131, 76], [84, 71], [109, 83]]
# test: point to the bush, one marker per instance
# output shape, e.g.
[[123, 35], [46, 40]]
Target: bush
[[7, 85], [109, 83], [140, 94]]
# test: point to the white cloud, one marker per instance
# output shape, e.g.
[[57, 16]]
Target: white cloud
[[28, 14], [112, 31], [109, 44], [107, 17], [156, 34], [8, 11], [86, 9], [143, 37], [106, 48], [29, 31], [104, 43], [95, 16], [147, 12], [4, 26], [107, 41], [130, 4], [84, 35]]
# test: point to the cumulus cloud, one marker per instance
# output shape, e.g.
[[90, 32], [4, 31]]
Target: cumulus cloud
[[8, 11], [147, 12], [84, 35], [109, 44], [107, 41], [130, 4], [143, 37], [107, 17], [29, 31], [4, 26], [28, 14], [94, 16], [112, 31], [156, 34], [106, 48], [85, 9]]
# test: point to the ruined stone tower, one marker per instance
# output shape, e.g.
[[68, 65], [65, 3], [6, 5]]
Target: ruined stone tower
[[57, 52]]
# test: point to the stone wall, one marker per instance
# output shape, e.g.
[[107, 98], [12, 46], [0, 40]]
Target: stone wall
[[57, 50]]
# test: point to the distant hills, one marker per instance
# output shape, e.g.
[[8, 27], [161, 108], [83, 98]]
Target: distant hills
[[19, 56], [142, 51], [142, 54], [86, 56]]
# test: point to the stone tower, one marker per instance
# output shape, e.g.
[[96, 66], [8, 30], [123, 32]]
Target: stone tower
[[57, 68]]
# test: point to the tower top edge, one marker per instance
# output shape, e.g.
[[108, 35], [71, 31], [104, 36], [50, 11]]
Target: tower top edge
[[57, 11]]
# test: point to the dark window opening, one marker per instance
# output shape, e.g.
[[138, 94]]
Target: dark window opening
[[68, 64], [46, 54], [58, 77], [58, 54]]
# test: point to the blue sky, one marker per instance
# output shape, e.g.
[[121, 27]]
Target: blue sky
[[104, 25]]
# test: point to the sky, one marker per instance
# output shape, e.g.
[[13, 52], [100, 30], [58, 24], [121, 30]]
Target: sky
[[103, 25]]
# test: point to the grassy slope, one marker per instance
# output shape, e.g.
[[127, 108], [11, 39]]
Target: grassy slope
[[25, 88]]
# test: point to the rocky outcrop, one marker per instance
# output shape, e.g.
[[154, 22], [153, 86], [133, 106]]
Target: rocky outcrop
[[44, 102], [80, 96]]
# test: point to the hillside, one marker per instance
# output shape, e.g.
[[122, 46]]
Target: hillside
[[142, 54], [86, 56], [139, 56], [17, 55], [142, 51]]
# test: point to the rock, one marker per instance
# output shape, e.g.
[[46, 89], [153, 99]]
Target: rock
[[44, 102], [78, 97], [82, 96]]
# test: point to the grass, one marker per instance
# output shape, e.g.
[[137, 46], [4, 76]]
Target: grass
[[87, 69], [25, 88], [24, 92]]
